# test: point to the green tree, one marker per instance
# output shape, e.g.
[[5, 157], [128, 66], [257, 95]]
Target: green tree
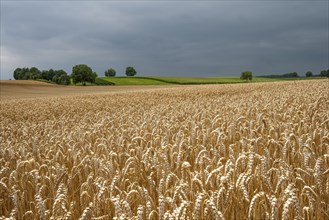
[[82, 73], [130, 71], [35, 73], [27, 73], [18, 73], [308, 74], [295, 74], [93, 77], [324, 73], [110, 72], [246, 75], [61, 77], [48, 74], [64, 79]]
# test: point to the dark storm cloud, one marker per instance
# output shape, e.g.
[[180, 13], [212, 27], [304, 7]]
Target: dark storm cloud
[[166, 37]]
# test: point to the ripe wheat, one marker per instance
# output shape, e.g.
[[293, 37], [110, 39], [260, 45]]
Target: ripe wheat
[[249, 151]]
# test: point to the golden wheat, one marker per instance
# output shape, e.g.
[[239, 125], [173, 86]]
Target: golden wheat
[[249, 151]]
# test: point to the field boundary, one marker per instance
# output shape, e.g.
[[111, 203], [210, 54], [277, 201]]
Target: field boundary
[[192, 80]]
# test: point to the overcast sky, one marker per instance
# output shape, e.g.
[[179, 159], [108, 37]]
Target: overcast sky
[[167, 38]]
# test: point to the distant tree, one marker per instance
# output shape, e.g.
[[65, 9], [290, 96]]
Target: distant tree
[[289, 75], [93, 77], [27, 73], [44, 74], [130, 71], [35, 73], [57, 76], [17, 73], [324, 73], [294, 74], [284, 75], [308, 74], [64, 79], [110, 72], [61, 77], [82, 73], [246, 75], [48, 74]]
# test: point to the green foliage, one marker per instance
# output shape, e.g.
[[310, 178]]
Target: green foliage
[[57, 76], [110, 72], [48, 74], [93, 77], [130, 71], [17, 73], [83, 73], [324, 73], [27, 73], [294, 74], [246, 75], [35, 73], [61, 77], [308, 74]]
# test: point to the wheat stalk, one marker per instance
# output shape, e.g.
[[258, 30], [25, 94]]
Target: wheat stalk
[[244, 151]]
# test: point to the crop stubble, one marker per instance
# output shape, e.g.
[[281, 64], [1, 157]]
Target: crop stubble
[[257, 151]]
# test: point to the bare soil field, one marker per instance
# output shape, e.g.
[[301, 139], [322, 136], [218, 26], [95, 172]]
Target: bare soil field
[[246, 151], [23, 89]]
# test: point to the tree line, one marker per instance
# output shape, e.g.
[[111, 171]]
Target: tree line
[[81, 73], [323, 73], [56, 76], [247, 75]]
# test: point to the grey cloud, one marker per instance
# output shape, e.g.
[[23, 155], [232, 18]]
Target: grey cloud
[[166, 38]]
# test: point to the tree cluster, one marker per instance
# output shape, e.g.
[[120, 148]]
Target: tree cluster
[[56, 76], [290, 75], [80, 73], [27, 73], [323, 73], [285, 75]]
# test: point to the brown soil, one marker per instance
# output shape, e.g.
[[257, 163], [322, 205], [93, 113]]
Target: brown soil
[[22, 89]]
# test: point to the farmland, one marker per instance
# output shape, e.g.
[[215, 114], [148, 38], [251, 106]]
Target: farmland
[[161, 80], [257, 151], [29, 89]]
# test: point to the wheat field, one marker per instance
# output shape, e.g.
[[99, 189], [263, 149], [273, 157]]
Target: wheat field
[[247, 151]]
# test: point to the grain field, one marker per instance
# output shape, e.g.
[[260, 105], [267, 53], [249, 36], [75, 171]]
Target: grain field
[[247, 151]]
